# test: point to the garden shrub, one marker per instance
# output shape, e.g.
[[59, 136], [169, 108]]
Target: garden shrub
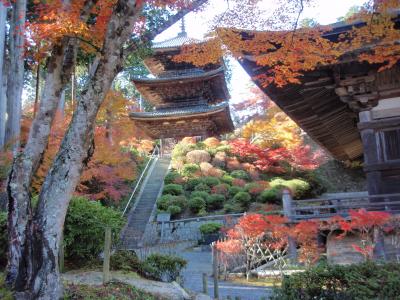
[[254, 188], [223, 148], [240, 174], [174, 210], [200, 194], [173, 189], [198, 156], [84, 228], [211, 142], [190, 170], [171, 177], [192, 182], [221, 188], [180, 201], [163, 267], [211, 181], [298, 187], [3, 239], [202, 187], [227, 179], [181, 149], [367, 280], [210, 228], [233, 190], [125, 260], [243, 198], [238, 182], [272, 196], [196, 204], [164, 201], [215, 201], [232, 207]]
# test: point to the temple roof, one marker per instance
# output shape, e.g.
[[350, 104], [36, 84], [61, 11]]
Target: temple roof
[[209, 85], [173, 43], [186, 121]]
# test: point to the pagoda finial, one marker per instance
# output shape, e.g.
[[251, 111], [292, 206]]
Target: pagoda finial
[[183, 27]]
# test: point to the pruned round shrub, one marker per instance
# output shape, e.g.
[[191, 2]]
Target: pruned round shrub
[[192, 182], [211, 142], [254, 188], [201, 194], [173, 189], [163, 267], [233, 190], [211, 181], [367, 280], [196, 204], [190, 170], [178, 201], [202, 187], [164, 201], [232, 207], [210, 228], [84, 228], [3, 239], [243, 198], [227, 179], [174, 210], [125, 260], [272, 196], [171, 177], [198, 156], [222, 189], [238, 182], [298, 187], [240, 174], [215, 201]]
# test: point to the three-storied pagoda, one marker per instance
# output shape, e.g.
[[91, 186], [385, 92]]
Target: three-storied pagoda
[[188, 101]]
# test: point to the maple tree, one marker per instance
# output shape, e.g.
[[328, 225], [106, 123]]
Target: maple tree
[[258, 238], [289, 51], [104, 32]]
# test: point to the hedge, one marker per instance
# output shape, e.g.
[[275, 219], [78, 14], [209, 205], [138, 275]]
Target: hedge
[[173, 189], [196, 204], [367, 280], [209, 228]]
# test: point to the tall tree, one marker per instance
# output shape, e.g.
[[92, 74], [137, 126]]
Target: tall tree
[[3, 101], [34, 235], [15, 80]]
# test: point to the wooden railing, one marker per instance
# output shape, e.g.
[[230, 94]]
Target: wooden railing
[[297, 210]]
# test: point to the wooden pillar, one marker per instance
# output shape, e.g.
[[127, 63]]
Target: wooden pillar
[[205, 284], [215, 270], [107, 254]]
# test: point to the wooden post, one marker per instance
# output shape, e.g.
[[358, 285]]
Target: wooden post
[[237, 298], [228, 298], [61, 253], [205, 284], [215, 270], [107, 253], [288, 213]]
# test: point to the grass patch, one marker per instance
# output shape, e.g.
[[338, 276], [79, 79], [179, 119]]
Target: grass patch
[[110, 291], [265, 282]]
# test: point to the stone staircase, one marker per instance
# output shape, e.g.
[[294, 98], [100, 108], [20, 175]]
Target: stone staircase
[[140, 214]]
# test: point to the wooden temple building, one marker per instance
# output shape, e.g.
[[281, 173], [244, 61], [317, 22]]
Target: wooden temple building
[[188, 101], [350, 109]]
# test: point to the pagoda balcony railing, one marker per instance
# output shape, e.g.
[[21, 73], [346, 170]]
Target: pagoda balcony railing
[[297, 210]]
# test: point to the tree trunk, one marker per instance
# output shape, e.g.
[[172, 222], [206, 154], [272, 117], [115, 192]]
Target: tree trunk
[[37, 90], [39, 262], [3, 100], [15, 80], [25, 165]]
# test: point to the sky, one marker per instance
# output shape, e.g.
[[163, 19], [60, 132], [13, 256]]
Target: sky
[[197, 25]]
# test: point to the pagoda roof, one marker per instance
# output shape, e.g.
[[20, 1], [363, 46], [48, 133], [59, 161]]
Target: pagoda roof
[[201, 120], [209, 85], [174, 43]]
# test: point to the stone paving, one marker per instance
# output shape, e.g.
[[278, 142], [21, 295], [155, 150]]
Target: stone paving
[[199, 262]]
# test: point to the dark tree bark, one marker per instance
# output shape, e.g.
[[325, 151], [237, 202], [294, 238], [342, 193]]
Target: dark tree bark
[[35, 236]]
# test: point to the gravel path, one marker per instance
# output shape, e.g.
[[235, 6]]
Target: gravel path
[[199, 262]]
